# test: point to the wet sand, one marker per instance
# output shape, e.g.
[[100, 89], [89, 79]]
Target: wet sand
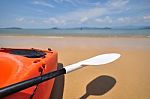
[[126, 78]]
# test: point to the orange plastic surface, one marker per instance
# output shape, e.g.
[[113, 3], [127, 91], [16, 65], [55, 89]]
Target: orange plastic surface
[[16, 68]]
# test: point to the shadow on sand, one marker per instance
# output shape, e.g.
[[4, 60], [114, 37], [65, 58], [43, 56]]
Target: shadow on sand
[[58, 88], [99, 86]]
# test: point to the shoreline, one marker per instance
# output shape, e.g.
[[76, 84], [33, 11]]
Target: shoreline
[[59, 43], [68, 36]]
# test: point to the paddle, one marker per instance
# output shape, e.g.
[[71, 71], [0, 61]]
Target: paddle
[[97, 60]]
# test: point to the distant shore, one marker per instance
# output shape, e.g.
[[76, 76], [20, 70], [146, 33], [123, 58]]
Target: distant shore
[[77, 32]]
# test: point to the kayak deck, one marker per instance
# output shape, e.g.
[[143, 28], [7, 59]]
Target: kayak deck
[[22, 64]]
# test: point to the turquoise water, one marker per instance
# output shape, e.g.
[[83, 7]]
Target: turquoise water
[[75, 32]]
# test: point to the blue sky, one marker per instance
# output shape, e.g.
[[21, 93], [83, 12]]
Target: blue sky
[[74, 13]]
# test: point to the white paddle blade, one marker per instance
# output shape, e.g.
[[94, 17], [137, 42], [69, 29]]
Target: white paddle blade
[[101, 59], [97, 60]]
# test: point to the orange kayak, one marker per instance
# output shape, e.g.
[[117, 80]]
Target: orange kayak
[[22, 64]]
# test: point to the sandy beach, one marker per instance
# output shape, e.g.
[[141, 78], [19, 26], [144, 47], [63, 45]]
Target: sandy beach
[[126, 78]]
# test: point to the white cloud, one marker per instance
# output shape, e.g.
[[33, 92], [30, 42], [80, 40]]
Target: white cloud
[[82, 15], [32, 21], [51, 21], [114, 4], [83, 19], [21, 19], [123, 19], [90, 14], [77, 3], [118, 21], [147, 18], [105, 20], [129, 20], [73, 2], [99, 20], [43, 4], [54, 21], [108, 19], [93, 4]]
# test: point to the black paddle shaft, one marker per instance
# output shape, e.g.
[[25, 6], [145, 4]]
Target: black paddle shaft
[[5, 91]]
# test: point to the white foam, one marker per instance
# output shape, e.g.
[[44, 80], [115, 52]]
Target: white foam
[[53, 37], [148, 36]]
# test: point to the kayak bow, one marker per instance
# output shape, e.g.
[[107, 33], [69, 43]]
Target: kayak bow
[[22, 64]]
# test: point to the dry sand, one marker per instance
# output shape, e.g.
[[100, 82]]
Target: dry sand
[[126, 78]]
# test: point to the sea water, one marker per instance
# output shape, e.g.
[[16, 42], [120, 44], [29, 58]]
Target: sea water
[[75, 32]]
